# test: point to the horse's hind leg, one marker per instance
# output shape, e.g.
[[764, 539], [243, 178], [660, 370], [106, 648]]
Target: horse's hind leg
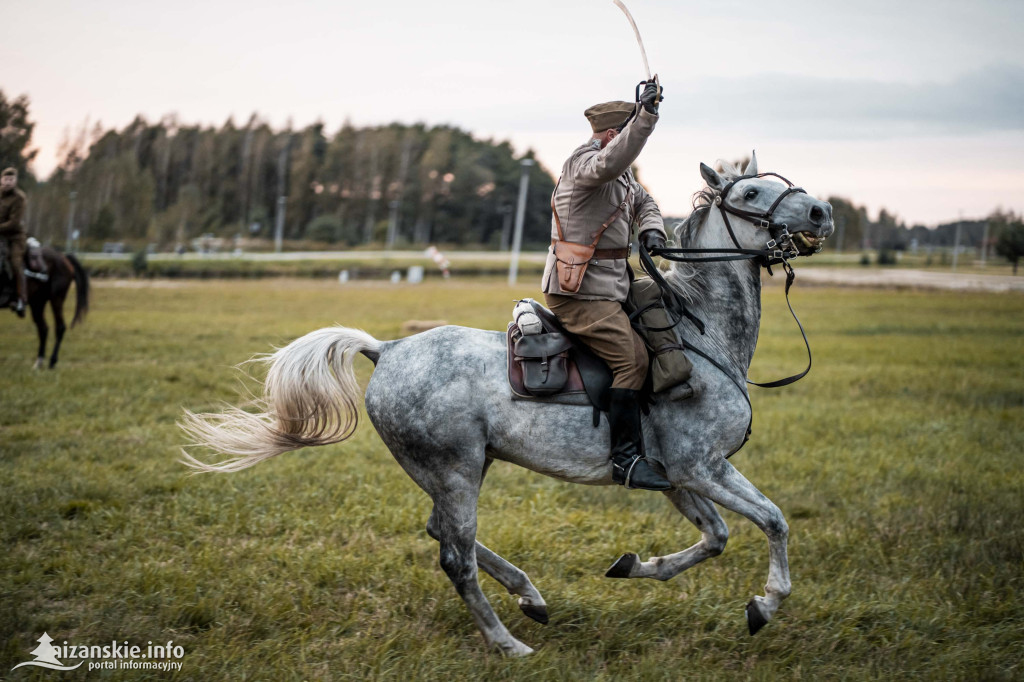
[[507, 574], [39, 318], [454, 522], [729, 488], [701, 512], [57, 306]]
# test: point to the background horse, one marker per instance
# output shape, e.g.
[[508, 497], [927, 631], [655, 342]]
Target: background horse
[[61, 270], [440, 401]]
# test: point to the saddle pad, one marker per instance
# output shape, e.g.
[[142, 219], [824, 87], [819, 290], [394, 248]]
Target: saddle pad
[[573, 394]]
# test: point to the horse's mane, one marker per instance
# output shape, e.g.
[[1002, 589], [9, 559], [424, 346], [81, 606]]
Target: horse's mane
[[685, 277]]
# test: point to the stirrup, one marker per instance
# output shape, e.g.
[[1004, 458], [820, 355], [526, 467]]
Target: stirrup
[[623, 475]]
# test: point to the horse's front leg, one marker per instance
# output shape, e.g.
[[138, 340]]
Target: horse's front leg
[[726, 486], [57, 306], [42, 330], [701, 512]]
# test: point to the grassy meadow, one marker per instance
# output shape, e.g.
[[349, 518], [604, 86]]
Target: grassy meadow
[[898, 463]]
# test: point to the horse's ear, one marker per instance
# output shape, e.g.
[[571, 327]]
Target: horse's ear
[[711, 177], [751, 168]]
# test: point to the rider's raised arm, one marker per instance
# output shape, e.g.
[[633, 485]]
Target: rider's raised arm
[[594, 167]]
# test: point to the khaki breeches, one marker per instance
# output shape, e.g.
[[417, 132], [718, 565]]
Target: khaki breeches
[[604, 327]]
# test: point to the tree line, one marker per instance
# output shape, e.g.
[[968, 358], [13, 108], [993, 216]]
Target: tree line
[[167, 183]]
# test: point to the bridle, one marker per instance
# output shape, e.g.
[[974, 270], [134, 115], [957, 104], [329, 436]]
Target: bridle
[[779, 249]]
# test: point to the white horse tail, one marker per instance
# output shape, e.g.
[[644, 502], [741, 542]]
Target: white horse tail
[[309, 398]]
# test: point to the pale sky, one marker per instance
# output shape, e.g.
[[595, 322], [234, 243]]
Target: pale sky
[[916, 106]]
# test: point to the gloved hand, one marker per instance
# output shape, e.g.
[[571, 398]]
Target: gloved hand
[[652, 239], [651, 97]]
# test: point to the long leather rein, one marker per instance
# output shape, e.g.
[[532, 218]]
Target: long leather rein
[[778, 250]]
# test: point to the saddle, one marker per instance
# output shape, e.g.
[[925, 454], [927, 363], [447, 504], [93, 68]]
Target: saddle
[[552, 365], [35, 264]]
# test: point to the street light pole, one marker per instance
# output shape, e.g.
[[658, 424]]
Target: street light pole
[[984, 246], [71, 220], [517, 239], [282, 199], [956, 239]]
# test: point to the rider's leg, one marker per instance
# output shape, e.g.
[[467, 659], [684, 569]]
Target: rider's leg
[[604, 327], [18, 268]]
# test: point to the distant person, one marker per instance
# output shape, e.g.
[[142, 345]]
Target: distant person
[[594, 205], [12, 210]]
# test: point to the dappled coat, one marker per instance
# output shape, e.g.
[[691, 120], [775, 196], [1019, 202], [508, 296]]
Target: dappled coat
[[594, 182]]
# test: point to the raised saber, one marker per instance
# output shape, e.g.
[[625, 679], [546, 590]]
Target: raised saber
[[639, 41]]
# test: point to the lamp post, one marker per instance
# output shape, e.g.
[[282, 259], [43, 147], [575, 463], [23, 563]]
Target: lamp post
[[71, 220], [517, 239]]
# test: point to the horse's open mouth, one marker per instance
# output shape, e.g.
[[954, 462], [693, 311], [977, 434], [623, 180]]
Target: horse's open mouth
[[806, 243]]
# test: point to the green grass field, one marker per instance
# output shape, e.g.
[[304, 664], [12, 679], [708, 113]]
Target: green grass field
[[898, 463]]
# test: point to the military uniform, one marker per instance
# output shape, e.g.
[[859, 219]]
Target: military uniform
[[12, 211], [597, 191], [593, 184]]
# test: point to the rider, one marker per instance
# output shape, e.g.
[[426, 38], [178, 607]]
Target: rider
[[596, 182], [12, 210]]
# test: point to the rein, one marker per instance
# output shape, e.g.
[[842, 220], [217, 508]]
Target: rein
[[778, 250]]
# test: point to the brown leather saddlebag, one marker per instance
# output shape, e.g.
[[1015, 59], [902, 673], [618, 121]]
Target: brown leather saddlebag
[[544, 360]]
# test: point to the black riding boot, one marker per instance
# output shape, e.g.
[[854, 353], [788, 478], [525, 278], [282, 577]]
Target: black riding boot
[[629, 468]]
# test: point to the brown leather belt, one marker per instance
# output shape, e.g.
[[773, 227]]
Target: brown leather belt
[[607, 254]]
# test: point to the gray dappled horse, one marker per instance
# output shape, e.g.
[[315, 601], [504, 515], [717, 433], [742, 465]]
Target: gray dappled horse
[[441, 403]]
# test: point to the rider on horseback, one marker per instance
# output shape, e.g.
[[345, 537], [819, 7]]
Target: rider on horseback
[[12, 210], [586, 277]]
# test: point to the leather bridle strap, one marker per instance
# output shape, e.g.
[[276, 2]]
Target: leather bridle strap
[[675, 303], [790, 277], [618, 254], [763, 219]]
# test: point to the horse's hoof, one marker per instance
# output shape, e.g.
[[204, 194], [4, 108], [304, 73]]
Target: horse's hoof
[[755, 619], [622, 566], [538, 612], [514, 649]]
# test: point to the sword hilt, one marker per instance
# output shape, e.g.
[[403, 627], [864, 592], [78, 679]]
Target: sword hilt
[[643, 84]]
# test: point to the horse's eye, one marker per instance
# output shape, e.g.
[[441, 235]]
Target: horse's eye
[[750, 195]]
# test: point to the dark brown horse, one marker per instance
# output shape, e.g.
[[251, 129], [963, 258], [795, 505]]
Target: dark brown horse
[[50, 287]]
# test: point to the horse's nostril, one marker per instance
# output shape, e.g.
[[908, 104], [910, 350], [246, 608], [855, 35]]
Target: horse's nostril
[[817, 215]]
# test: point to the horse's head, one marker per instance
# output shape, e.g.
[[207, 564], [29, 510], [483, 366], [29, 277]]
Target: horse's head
[[755, 209]]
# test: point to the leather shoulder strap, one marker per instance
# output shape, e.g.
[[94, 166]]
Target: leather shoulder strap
[[558, 223], [611, 219], [554, 213]]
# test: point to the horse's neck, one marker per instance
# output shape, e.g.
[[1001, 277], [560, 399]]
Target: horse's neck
[[726, 296]]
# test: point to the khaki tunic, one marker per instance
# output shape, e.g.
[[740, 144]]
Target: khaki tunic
[[12, 210], [594, 182]]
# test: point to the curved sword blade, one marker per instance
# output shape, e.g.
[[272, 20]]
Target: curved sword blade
[[636, 31]]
